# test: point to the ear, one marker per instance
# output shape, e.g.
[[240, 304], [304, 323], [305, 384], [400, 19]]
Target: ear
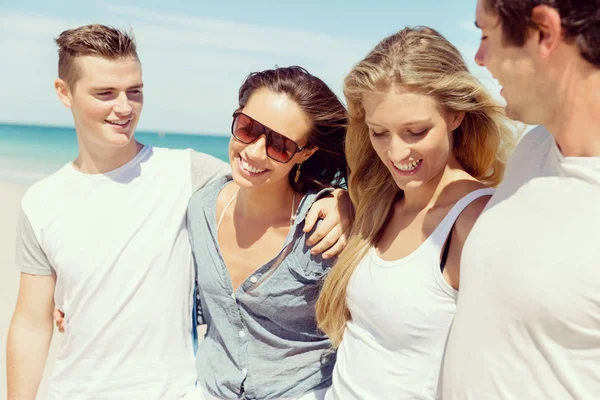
[[456, 119], [306, 154], [63, 92], [549, 28]]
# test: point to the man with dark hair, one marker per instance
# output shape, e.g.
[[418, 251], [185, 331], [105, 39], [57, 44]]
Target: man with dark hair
[[105, 239], [528, 318]]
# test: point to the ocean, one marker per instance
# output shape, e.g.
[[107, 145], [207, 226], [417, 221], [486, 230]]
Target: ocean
[[29, 152]]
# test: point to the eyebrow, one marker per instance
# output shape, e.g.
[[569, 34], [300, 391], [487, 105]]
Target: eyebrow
[[415, 122], [139, 86]]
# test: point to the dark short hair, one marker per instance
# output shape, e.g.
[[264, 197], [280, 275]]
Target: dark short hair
[[580, 21], [327, 166], [96, 40]]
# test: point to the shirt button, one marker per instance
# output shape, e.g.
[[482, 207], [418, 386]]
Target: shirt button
[[242, 333], [254, 279], [244, 372]]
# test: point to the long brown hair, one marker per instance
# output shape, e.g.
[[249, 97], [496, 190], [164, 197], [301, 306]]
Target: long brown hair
[[327, 166], [423, 61]]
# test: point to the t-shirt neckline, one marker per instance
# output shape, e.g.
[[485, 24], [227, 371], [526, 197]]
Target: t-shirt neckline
[[112, 173], [593, 162]]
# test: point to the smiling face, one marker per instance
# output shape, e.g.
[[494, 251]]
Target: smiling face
[[411, 135], [106, 100], [250, 165], [514, 67]]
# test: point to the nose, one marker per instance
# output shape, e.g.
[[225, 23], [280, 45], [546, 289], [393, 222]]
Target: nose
[[479, 56], [398, 150], [257, 150], [122, 105]]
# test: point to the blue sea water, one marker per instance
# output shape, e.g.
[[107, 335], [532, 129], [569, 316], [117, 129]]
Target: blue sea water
[[29, 152]]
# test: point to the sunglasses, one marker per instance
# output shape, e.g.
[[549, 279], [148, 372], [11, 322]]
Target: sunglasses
[[279, 148]]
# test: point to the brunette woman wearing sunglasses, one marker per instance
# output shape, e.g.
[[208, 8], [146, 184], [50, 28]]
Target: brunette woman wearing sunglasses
[[258, 281]]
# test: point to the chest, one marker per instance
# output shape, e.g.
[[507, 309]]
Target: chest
[[395, 300], [405, 232], [247, 247], [274, 286], [534, 256], [129, 225]]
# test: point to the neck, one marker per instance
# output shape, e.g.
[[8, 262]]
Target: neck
[[101, 160], [575, 124], [429, 194], [267, 202]]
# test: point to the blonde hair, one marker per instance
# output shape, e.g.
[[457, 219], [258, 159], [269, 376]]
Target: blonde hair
[[418, 60]]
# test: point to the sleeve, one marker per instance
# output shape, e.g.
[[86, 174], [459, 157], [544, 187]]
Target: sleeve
[[29, 257], [324, 193], [206, 169], [304, 265]]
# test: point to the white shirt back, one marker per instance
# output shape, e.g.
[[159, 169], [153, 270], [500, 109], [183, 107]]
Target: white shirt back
[[401, 313], [528, 319], [119, 247]]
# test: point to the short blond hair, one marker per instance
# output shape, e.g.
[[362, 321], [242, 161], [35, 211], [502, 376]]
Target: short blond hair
[[91, 40]]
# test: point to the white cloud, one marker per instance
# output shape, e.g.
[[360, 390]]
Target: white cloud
[[29, 69], [235, 36], [192, 66], [28, 25]]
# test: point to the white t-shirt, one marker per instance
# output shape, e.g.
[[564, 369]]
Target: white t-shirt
[[119, 247], [401, 313], [528, 318]]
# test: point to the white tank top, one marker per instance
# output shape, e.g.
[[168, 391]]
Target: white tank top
[[401, 314]]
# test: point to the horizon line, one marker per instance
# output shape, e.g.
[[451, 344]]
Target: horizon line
[[160, 132]]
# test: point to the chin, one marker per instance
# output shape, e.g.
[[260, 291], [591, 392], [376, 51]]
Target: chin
[[401, 185], [239, 180], [243, 181], [514, 114], [122, 141], [410, 185]]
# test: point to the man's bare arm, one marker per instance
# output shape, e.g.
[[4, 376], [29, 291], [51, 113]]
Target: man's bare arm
[[29, 336], [331, 236]]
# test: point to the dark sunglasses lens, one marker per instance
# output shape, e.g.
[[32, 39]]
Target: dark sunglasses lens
[[281, 148], [243, 129]]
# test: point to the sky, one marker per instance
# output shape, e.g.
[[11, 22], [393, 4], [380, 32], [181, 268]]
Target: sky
[[195, 55]]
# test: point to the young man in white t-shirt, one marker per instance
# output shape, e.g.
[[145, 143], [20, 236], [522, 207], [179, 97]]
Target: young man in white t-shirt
[[528, 319], [104, 239]]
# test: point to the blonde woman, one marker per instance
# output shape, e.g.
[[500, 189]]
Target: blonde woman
[[425, 144]]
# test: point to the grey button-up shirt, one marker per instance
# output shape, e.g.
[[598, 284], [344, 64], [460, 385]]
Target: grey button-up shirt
[[262, 340]]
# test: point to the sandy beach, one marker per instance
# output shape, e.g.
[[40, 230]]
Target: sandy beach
[[9, 279]]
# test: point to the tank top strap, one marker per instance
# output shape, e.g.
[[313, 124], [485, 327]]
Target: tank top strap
[[440, 234]]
